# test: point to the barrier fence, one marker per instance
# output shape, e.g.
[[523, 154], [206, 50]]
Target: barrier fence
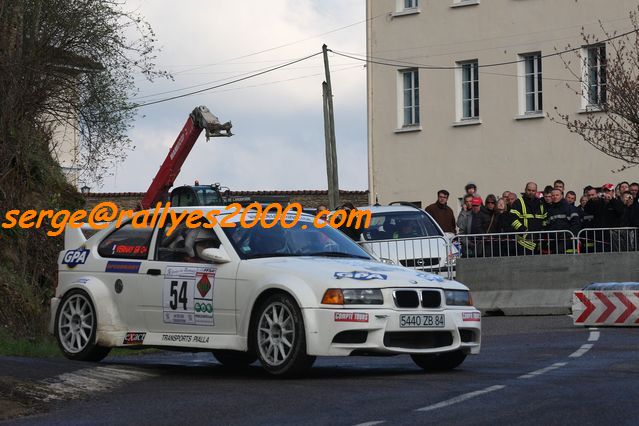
[[429, 254], [438, 254]]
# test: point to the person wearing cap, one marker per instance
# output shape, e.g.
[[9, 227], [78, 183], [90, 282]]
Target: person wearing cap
[[607, 212], [529, 215], [479, 221], [442, 213], [471, 189]]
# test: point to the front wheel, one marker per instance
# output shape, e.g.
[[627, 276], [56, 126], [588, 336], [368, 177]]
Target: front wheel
[[279, 338], [439, 362], [76, 328]]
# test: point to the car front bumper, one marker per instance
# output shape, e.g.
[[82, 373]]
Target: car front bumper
[[343, 332]]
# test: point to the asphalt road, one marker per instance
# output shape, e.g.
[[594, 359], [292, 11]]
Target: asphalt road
[[532, 370]]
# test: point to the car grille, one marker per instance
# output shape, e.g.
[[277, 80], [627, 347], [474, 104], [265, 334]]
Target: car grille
[[421, 262], [415, 298], [418, 339]]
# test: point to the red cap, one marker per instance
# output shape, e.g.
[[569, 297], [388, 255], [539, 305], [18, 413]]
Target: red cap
[[476, 201], [607, 187]]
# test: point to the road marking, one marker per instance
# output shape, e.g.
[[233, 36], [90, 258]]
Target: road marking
[[594, 336], [377, 422], [582, 350], [461, 398], [543, 370], [85, 381]]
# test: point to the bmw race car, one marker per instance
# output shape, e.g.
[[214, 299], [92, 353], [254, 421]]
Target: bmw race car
[[280, 294]]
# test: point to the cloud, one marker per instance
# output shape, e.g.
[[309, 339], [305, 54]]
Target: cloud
[[277, 117]]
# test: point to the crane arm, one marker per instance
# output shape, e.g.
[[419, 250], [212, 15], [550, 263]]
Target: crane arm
[[200, 119]]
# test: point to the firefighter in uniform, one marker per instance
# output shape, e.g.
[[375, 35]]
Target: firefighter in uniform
[[528, 215]]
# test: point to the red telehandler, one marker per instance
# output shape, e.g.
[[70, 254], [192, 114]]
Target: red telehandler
[[200, 119]]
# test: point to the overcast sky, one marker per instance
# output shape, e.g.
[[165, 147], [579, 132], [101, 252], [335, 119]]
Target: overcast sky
[[277, 117]]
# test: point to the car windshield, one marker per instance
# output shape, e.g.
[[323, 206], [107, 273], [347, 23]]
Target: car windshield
[[403, 224], [303, 239]]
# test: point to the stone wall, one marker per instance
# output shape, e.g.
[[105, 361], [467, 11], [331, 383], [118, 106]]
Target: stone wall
[[307, 198]]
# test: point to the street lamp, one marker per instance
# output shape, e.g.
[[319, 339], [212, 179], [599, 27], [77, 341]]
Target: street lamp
[[85, 190]]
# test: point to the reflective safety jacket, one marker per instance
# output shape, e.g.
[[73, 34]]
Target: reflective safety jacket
[[528, 215]]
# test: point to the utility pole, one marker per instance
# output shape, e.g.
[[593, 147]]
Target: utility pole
[[329, 136]]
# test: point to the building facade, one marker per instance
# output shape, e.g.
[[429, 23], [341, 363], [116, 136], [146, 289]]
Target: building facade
[[465, 90]]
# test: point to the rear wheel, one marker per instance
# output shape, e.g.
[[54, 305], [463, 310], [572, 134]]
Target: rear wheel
[[279, 338], [234, 359], [439, 362], [76, 328]]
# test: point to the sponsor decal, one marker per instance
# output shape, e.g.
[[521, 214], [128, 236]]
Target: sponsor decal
[[204, 282], [123, 267], [123, 249], [81, 281], [134, 338], [188, 295], [471, 316], [75, 257], [184, 338], [350, 317], [360, 275], [430, 277]]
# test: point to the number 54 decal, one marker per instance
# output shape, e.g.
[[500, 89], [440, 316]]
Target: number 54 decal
[[188, 295]]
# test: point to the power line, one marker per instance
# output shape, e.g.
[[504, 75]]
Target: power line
[[223, 84], [136, 98], [283, 45], [399, 63]]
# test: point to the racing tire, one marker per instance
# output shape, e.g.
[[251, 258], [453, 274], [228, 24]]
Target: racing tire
[[76, 328], [439, 362], [234, 360], [279, 339]]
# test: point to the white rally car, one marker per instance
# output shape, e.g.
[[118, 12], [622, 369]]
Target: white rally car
[[283, 295]]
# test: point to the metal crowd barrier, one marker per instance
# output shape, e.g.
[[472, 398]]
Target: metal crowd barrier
[[539, 243], [429, 254], [438, 254]]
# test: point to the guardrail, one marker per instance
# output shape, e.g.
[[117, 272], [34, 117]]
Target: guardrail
[[429, 254], [539, 243]]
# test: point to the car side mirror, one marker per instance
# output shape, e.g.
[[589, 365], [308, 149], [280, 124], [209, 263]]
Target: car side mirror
[[216, 255]]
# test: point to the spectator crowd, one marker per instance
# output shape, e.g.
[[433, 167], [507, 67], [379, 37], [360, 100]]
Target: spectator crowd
[[542, 219]]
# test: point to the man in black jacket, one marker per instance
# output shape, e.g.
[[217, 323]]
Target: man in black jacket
[[562, 216], [607, 212], [529, 215]]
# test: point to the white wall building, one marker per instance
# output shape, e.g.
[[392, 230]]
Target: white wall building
[[441, 128]]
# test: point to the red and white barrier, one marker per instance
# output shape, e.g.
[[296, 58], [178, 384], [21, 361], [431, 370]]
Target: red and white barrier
[[607, 307]]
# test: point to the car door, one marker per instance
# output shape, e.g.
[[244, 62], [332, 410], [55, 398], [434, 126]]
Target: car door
[[184, 293]]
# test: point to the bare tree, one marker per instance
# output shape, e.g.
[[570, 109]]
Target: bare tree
[[61, 61], [611, 87]]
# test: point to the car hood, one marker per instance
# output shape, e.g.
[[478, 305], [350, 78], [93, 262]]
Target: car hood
[[349, 273]]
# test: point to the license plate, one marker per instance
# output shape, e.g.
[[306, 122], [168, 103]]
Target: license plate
[[421, 320]]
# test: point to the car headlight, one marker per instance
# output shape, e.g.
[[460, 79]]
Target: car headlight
[[352, 296], [458, 298]]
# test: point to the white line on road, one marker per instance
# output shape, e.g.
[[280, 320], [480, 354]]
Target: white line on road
[[582, 350], [594, 336], [378, 422], [543, 370], [461, 398]]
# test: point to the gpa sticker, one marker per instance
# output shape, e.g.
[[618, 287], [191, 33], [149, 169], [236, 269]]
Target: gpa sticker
[[360, 275], [75, 257], [350, 317]]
